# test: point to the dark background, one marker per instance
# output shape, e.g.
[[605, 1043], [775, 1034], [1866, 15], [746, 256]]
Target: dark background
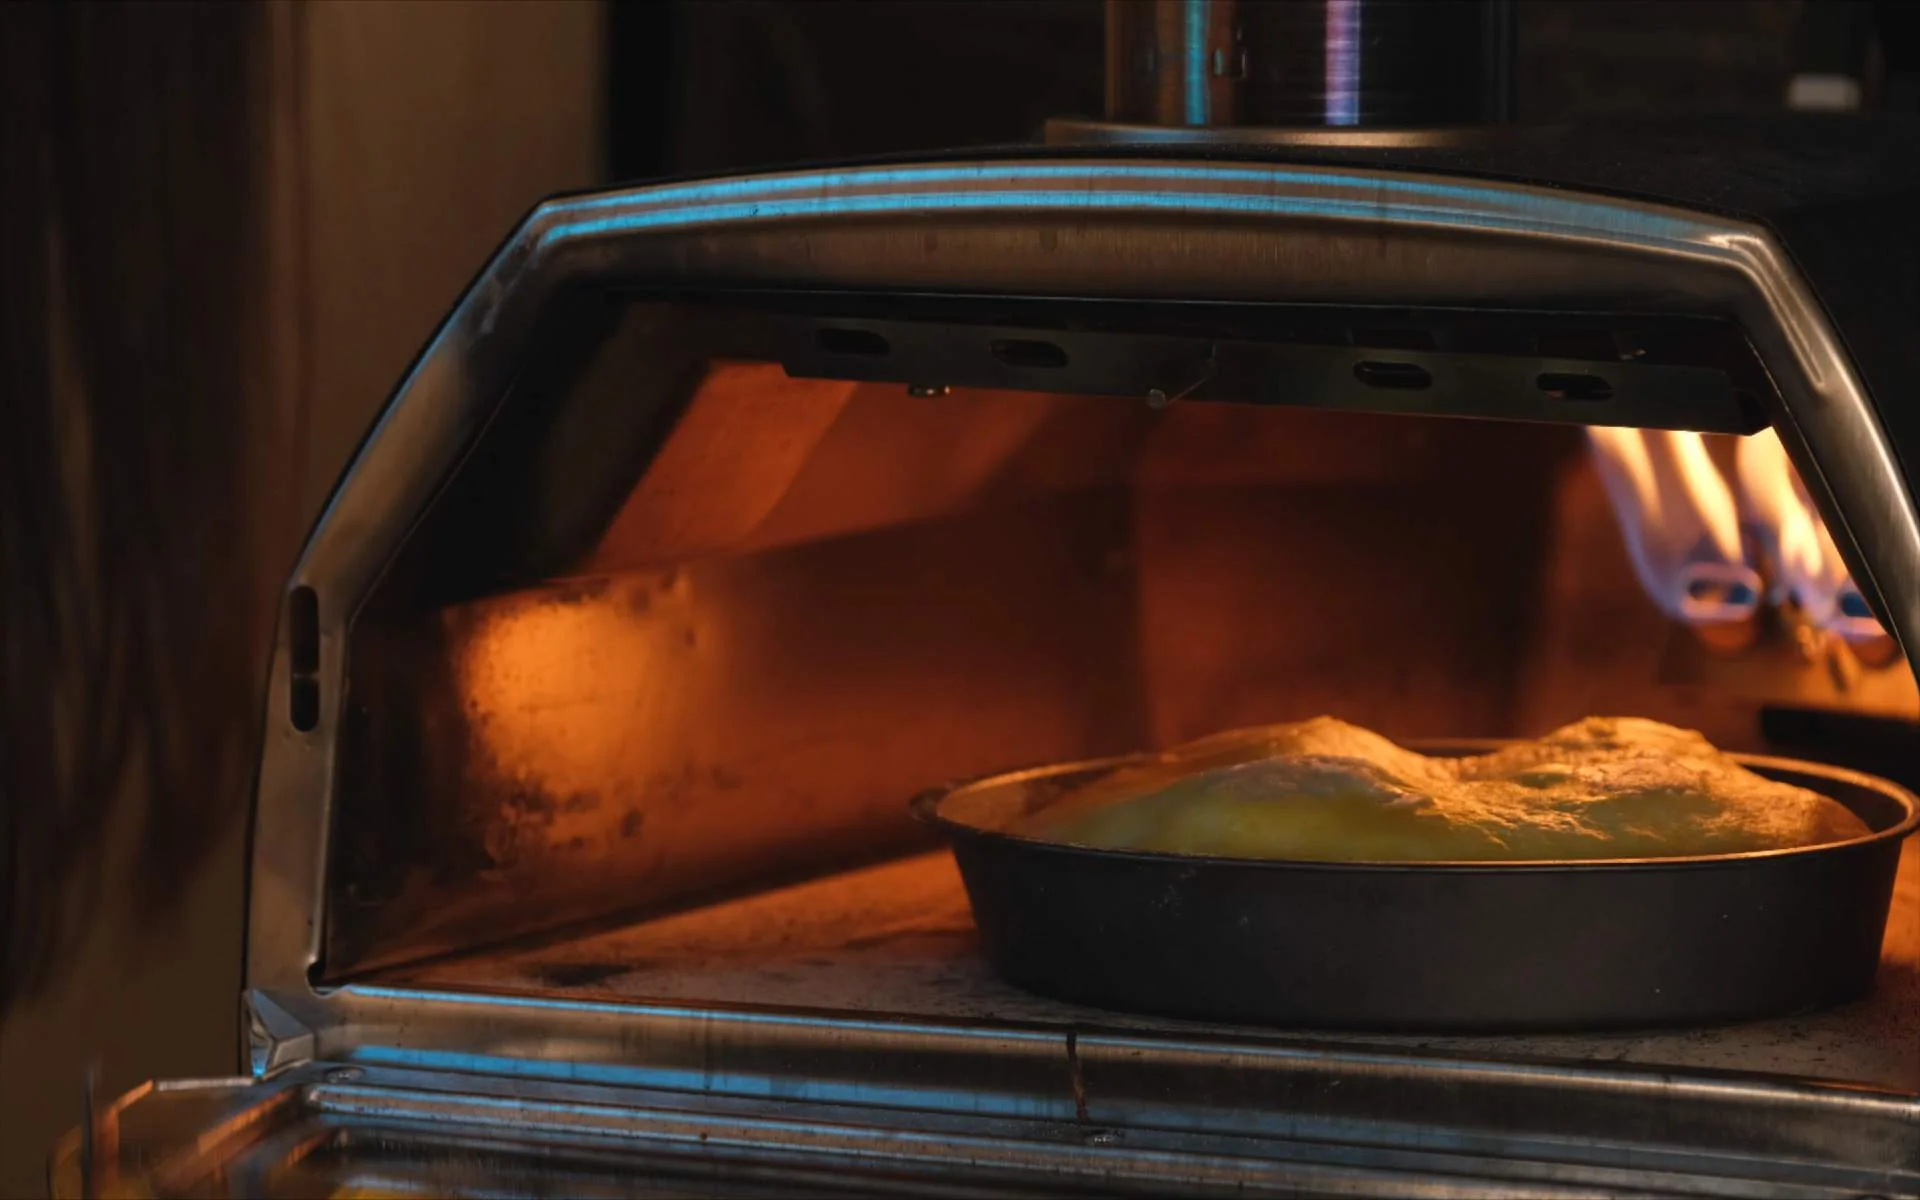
[[699, 86]]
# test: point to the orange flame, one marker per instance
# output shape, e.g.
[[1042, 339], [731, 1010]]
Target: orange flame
[[1681, 524], [1806, 565]]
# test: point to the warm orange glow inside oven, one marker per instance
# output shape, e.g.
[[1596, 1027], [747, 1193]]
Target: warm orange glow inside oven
[[556, 691], [694, 499], [821, 598]]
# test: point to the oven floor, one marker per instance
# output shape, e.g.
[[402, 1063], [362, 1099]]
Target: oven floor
[[897, 938]]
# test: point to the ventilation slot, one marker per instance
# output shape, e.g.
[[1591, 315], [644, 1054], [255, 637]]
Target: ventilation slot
[[303, 657], [303, 705], [861, 343], [1575, 387]]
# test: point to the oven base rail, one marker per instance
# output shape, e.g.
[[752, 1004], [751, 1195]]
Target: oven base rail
[[632, 1099], [329, 1128]]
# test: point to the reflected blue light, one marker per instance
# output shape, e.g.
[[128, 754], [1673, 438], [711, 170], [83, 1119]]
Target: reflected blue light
[[1196, 62], [1373, 207], [731, 1083], [828, 187]]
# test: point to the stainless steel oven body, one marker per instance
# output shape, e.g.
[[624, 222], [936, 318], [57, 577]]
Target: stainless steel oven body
[[372, 1080]]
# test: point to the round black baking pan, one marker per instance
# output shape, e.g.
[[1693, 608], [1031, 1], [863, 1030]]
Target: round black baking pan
[[1428, 946]]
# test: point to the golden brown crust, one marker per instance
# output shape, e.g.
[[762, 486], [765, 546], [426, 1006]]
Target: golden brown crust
[[1605, 787]]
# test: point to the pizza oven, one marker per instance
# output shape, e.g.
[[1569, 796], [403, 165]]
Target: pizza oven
[[722, 517]]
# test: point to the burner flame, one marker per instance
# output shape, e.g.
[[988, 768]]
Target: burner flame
[[1806, 566], [1683, 524]]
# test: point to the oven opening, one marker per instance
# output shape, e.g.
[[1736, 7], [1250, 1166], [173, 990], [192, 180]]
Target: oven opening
[[639, 712]]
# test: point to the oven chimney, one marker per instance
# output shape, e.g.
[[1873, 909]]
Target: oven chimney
[[1404, 64]]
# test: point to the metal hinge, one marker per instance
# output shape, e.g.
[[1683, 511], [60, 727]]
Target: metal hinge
[[275, 1040]]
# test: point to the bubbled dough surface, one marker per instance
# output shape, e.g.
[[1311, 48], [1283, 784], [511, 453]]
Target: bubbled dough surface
[[1605, 787]]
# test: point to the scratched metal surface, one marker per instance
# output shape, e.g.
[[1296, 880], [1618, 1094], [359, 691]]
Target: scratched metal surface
[[898, 938]]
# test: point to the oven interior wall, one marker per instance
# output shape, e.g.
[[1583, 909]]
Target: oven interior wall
[[820, 598]]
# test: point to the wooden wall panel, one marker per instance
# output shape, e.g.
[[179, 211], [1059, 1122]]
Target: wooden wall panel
[[429, 130]]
